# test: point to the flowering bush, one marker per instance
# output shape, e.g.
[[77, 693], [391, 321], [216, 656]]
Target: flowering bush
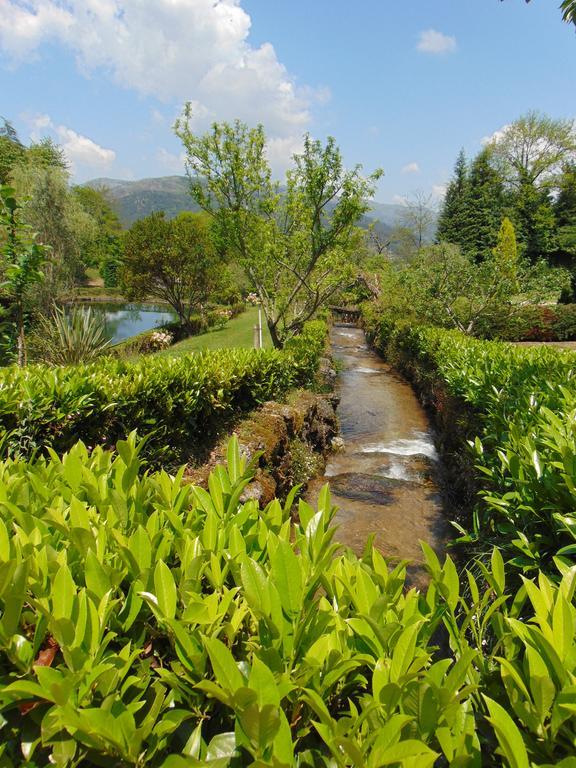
[[219, 317], [160, 340]]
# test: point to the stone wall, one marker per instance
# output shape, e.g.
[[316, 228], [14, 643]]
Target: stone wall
[[293, 439]]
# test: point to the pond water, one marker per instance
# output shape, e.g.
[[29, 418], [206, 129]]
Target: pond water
[[125, 320], [384, 481]]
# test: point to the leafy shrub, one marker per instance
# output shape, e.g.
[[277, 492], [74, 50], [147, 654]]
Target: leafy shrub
[[70, 336], [532, 323], [179, 402], [148, 622], [521, 404]]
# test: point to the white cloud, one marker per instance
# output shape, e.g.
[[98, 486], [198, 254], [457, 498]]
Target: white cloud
[[84, 155], [496, 136], [400, 200], [171, 162], [280, 152], [432, 41], [439, 191], [82, 151], [175, 50], [411, 168]]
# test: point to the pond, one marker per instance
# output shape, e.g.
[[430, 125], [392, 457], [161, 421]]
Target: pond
[[125, 320]]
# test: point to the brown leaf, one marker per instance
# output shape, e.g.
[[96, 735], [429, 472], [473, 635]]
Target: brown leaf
[[47, 655]]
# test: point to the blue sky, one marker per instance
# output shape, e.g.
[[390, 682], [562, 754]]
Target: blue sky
[[402, 85]]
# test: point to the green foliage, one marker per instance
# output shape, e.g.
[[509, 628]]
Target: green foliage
[[484, 208], [444, 286], [180, 402], [149, 622], [531, 323], [12, 151], [524, 173], [78, 224], [532, 149], [522, 403], [295, 247], [534, 214], [70, 336], [451, 220], [174, 260], [505, 254], [473, 207], [46, 154], [61, 223], [23, 259], [105, 249]]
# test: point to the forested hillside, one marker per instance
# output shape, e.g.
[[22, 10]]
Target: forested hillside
[[134, 200]]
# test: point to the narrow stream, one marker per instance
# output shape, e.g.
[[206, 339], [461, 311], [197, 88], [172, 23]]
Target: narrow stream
[[384, 481]]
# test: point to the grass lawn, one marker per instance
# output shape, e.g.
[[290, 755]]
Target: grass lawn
[[236, 333]]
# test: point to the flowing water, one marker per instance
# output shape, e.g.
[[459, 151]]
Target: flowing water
[[384, 481]]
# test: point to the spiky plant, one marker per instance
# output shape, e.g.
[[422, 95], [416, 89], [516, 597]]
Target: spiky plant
[[67, 337]]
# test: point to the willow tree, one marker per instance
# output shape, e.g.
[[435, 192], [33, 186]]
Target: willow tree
[[294, 244], [23, 259]]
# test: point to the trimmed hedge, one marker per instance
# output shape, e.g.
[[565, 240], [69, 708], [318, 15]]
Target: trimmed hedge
[[532, 323], [178, 402], [517, 409]]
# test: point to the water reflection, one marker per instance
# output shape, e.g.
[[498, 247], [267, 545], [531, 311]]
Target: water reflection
[[122, 321]]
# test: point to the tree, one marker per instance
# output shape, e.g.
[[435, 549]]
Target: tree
[[533, 212], [505, 254], [565, 215], [13, 154], [533, 149], [174, 260], [482, 208], [377, 240], [568, 8], [46, 154], [61, 223], [418, 218], [12, 151], [105, 250], [23, 260], [452, 214], [565, 207], [445, 286], [293, 247]]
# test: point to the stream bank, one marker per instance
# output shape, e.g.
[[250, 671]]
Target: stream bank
[[385, 480], [292, 438]]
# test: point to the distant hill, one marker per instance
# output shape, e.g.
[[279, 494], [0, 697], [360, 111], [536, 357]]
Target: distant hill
[[133, 200]]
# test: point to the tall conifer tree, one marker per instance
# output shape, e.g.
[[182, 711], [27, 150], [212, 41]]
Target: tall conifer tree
[[451, 219], [565, 212], [483, 208], [535, 221]]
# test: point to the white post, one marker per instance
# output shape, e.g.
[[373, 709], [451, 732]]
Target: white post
[[259, 326]]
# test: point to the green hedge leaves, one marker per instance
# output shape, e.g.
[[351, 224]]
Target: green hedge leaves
[[178, 402], [148, 622], [518, 406]]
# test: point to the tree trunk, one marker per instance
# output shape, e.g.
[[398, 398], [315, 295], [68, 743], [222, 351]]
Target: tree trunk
[[276, 340]]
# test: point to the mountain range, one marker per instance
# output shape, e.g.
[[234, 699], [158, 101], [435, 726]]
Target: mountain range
[[132, 200]]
